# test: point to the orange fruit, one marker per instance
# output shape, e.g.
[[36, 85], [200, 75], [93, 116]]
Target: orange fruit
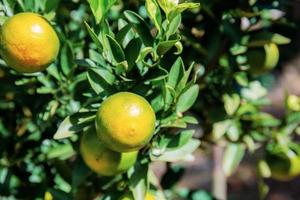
[[263, 59], [284, 166], [128, 196], [101, 159], [28, 43], [125, 122]]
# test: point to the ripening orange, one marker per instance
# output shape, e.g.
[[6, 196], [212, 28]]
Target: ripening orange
[[102, 160], [125, 122], [28, 42]]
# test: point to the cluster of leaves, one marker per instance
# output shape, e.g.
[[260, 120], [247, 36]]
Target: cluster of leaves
[[190, 66], [231, 96]]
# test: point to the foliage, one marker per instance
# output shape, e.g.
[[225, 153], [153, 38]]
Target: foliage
[[187, 59]]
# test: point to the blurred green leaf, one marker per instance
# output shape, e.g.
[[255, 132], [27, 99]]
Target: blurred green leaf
[[232, 157], [67, 58], [61, 151], [231, 103]]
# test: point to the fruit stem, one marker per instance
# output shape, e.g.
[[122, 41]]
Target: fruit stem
[[219, 183]]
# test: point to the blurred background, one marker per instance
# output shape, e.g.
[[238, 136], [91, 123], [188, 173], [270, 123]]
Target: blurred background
[[31, 162]]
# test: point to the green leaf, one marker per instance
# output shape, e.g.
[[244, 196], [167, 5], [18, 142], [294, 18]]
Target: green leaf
[[116, 49], [140, 27], [67, 58], [73, 124], [168, 5], [79, 173], [180, 139], [187, 99], [132, 51], [53, 71], [144, 52], [263, 188], [175, 74], [181, 8], [9, 7], [182, 83], [231, 103], [154, 13], [234, 130], [51, 5], [190, 119], [254, 91], [179, 48], [164, 46], [61, 151], [174, 141], [138, 180], [121, 35], [241, 78], [100, 8], [220, 128], [264, 169], [233, 155], [94, 37], [101, 80], [173, 27], [265, 119], [177, 154], [201, 195]]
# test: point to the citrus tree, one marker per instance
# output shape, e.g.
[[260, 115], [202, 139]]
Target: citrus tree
[[93, 92]]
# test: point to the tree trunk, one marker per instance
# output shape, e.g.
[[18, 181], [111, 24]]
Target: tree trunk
[[219, 184]]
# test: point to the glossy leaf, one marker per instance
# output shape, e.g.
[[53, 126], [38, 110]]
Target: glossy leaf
[[154, 13], [140, 26], [164, 47], [116, 49], [100, 8], [132, 51], [187, 99], [73, 124], [94, 37]]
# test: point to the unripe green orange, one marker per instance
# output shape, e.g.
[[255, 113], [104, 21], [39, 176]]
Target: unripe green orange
[[262, 59], [28, 43], [284, 166], [101, 159], [125, 122]]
